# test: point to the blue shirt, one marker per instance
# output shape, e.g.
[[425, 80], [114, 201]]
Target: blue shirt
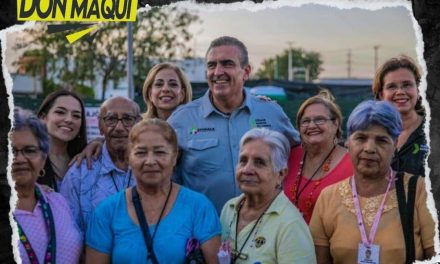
[[111, 230], [84, 189], [209, 142]]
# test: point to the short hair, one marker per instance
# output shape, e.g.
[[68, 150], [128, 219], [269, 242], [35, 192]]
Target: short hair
[[154, 124], [231, 41], [186, 87], [24, 119], [279, 144], [325, 98], [77, 144], [394, 64], [381, 113], [136, 108]]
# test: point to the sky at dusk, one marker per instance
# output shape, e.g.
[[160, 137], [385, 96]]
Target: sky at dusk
[[268, 29], [328, 30]]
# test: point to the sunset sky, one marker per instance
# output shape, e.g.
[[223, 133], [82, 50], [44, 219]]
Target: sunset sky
[[328, 30]]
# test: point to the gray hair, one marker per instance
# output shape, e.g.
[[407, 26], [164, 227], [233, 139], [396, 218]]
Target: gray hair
[[278, 143], [25, 119], [231, 41], [136, 107]]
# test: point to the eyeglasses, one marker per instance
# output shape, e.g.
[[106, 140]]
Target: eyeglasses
[[405, 86], [317, 121], [127, 120], [30, 152]]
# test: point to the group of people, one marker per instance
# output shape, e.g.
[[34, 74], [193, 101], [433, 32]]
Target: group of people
[[225, 177]]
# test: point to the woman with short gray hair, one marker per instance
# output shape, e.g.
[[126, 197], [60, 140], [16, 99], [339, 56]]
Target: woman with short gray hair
[[262, 225]]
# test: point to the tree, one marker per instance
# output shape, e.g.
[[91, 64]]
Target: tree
[[278, 65], [159, 34]]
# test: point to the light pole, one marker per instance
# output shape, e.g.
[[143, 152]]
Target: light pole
[[130, 60], [289, 66]]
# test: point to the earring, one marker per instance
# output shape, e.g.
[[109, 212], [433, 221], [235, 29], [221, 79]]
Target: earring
[[42, 173], [279, 186]]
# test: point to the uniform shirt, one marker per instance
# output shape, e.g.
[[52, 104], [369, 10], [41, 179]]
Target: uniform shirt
[[68, 236], [84, 189], [112, 231], [280, 237], [209, 142], [411, 156]]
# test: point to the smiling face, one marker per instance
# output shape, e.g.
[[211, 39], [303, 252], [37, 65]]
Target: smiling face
[[371, 151], [225, 75], [63, 120], [116, 136], [255, 175], [25, 170], [166, 92], [400, 88], [313, 133], [152, 158]]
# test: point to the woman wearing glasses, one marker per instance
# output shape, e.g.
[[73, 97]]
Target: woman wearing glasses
[[319, 161], [397, 82], [46, 228], [63, 113]]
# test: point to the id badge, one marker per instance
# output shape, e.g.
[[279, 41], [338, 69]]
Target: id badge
[[368, 254]]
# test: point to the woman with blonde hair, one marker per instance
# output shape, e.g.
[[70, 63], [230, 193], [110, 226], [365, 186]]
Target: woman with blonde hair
[[165, 88]]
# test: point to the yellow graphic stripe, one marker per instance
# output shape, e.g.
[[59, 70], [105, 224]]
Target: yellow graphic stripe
[[77, 35]]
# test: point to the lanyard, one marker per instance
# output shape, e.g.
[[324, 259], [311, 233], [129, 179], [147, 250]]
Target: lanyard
[[368, 241], [114, 182], [50, 256]]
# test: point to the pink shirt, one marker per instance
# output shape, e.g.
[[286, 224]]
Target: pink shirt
[[68, 236], [309, 195]]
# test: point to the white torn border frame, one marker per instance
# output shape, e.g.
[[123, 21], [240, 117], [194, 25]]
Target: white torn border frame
[[247, 5]]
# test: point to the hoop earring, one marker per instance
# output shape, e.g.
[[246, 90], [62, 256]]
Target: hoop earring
[[42, 173]]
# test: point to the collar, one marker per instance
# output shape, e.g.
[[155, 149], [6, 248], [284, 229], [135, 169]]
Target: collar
[[106, 162], [208, 107], [276, 207]]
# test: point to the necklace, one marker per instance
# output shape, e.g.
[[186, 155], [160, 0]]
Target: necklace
[[296, 191], [237, 254], [149, 240]]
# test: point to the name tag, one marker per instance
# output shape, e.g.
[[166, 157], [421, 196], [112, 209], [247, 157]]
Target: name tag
[[368, 254]]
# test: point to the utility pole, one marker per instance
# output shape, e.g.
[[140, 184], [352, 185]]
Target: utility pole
[[349, 64], [376, 57], [130, 60], [289, 66]]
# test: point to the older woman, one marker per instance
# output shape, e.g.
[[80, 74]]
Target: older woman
[[165, 88], [319, 161], [397, 81], [46, 228], [169, 214], [262, 225], [63, 113], [359, 218]]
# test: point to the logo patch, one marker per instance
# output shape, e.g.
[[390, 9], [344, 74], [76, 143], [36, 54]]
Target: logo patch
[[259, 241], [259, 122], [195, 130]]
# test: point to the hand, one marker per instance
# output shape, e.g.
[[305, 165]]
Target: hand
[[92, 150]]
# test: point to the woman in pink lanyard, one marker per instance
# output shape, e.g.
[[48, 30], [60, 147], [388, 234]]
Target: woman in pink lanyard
[[359, 219], [47, 231]]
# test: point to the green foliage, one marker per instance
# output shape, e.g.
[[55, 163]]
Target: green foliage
[[159, 34], [278, 65]]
